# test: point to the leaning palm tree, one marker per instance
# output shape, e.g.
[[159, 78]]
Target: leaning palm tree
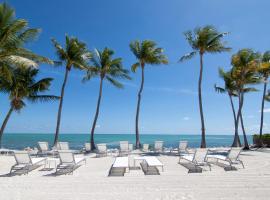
[[14, 34], [204, 40], [264, 71], [74, 55], [146, 52], [22, 86], [106, 68], [230, 89], [244, 72]]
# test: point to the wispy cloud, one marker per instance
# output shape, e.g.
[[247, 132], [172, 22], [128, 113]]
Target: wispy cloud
[[186, 118], [266, 110]]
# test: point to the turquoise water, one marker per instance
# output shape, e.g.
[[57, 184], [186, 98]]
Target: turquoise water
[[76, 141]]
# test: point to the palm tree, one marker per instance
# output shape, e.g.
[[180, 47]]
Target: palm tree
[[14, 34], [264, 71], [146, 52], [75, 54], [105, 67], [204, 40], [22, 86], [245, 65], [230, 89]]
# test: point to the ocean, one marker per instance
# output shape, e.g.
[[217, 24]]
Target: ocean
[[76, 141]]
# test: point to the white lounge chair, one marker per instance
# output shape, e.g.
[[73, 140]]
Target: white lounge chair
[[130, 147], [63, 146], [145, 148], [87, 147], [119, 167], [69, 161], [150, 165], [25, 162], [124, 148], [101, 150], [195, 159], [43, 149], [232, 156], [182, 148], [158, 147]]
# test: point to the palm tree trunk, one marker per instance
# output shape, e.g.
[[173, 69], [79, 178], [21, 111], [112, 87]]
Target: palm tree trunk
[[138, 144], [96, 115], [236, 141], [262, 112], [4, 125], [60, 108], [246, 145], [203, 141], [233, 109]]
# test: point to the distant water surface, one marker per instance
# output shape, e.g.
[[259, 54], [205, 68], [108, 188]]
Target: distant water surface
[[76, 141]]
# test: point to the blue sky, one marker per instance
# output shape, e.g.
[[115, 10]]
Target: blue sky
[[169, 102]]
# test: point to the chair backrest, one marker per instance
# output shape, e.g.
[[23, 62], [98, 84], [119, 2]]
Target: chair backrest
[[158, 145], [22, 157], [87, 146], [43, 146], [102, 147], [124, 146], [145, 147], [234, 153], [66, 156], [183, 145], [130, 147], [63, 145]]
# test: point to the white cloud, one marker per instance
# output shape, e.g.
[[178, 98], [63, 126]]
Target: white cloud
[[97, 126], [266, 110], [186, 118]]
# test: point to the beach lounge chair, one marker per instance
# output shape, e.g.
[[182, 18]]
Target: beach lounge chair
[[130, 147], [63, 146], [124, 148], [150, 165], [87, 147], [195, 159], [145, 148], [182, 148], [101, 150], [158, 147], [25, 162], [232, 156], [43, 149], [68, 161], [119, 167]]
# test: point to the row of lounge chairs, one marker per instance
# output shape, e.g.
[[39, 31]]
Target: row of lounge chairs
[[67, 161]]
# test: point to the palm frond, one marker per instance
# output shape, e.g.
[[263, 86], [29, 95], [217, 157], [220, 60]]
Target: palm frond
[[187, 56]]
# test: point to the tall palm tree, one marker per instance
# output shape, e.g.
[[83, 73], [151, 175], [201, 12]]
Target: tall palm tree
[[14, 34], [146, 52], [74, 55], [106, 68], [22, 86], [204, 40], [264, 71], [230, 89], [244, 72]]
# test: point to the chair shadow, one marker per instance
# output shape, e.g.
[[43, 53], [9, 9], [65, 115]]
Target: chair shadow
[[20, 172], [149, 170], [63, 171], [224, 166], [191, 167]]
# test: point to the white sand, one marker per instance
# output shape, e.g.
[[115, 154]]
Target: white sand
[[91, 182]]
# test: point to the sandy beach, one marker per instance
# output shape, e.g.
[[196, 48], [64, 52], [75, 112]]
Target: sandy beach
[[90, 181]]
